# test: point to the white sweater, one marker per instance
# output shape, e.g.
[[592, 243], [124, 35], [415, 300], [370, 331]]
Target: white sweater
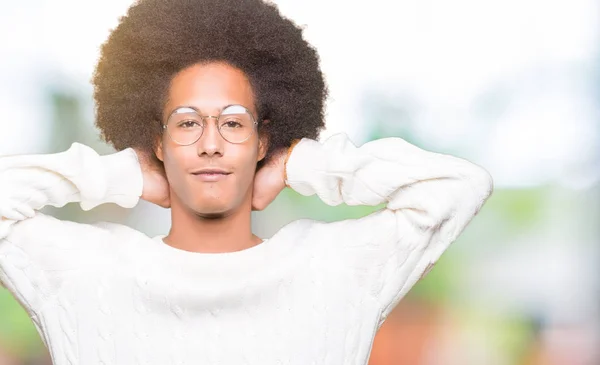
[[314, 293]]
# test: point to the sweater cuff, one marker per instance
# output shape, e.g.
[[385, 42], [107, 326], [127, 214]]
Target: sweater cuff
[[123, 178], [304, 162]]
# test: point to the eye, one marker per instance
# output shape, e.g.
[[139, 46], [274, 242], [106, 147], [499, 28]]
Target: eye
[[189, 124], [232, 124]]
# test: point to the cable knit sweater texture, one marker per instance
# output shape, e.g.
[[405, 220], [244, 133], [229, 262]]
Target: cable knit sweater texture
[[313, 293]]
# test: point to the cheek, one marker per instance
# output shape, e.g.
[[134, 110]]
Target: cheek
[[175, 166], [247, 167]]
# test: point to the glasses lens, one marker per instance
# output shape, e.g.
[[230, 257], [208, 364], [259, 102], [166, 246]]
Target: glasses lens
[[236, 124], [184, 126]]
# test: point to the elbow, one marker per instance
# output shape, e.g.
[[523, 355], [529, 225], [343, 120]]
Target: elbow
[[485, 183], [481, 185]]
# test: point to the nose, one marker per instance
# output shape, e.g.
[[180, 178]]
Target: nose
[[211, 142]]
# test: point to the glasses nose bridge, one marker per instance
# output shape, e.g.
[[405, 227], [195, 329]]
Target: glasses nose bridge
[[205, 123], [205, 117]]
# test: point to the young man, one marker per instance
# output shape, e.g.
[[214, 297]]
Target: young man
[[215, 107]]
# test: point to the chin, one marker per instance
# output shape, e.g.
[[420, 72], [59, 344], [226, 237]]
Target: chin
[[211, 210], [209, 216]]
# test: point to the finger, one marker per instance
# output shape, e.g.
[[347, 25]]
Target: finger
[[34, 199], [25, 210], [9, 212], [27, 194]]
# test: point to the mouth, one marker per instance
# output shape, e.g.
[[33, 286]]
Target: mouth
[[211, 175]]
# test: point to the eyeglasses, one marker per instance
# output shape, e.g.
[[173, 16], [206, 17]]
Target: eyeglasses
[[185, 125]]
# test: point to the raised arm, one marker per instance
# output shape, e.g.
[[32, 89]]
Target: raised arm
[[430, 198], [30, 182], [38, 252]]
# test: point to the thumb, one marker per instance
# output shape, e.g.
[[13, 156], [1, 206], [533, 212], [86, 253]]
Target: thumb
[[267, 185], [258, 190]]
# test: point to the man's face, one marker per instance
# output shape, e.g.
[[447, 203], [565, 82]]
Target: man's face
[[209, 88]]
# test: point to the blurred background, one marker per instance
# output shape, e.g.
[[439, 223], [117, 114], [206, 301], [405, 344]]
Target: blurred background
[[511, 85]]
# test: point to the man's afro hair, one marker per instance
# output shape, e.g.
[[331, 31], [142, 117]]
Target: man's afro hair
[[158, 38]]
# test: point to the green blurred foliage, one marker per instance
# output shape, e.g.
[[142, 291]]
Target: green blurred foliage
[[18, 335]]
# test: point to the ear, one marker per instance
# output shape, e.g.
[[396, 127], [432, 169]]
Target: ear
[[158, 149], [263, 142]]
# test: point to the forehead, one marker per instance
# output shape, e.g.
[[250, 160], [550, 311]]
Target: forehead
[[210, 87]]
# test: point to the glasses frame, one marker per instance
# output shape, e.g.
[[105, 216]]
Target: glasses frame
[[216, 118]]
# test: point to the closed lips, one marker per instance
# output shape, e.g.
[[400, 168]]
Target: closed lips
[[222, 172]]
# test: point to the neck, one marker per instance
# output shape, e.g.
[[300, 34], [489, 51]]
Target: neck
[[229, 232]]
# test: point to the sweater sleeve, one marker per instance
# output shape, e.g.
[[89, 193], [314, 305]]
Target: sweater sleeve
[[32, 245], [430, 198], [76, 175]]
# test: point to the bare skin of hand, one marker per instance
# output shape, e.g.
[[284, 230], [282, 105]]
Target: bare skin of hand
[[269, 181], [156, 186]]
